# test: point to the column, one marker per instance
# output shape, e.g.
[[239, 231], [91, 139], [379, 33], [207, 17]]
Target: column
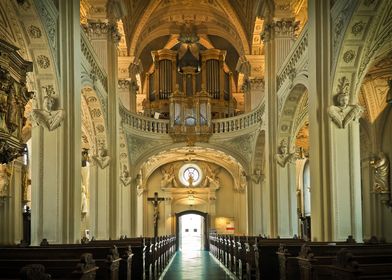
[[278, 36], [334, 152]]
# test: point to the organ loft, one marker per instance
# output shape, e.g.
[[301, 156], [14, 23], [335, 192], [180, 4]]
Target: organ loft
[[189, 84]]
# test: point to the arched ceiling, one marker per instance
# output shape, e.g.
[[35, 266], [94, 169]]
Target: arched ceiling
[[231, 20], [375, 87]]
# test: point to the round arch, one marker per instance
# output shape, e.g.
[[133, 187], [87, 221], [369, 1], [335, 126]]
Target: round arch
[[230, 19], [293, 113], [92, 109], [206, 226]]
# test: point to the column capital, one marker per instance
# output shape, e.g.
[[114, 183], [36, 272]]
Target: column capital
[[279, 28], [101, 29]]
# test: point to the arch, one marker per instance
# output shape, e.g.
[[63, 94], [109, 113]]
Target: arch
[[229, 17], [206, 226], [369, 31], [293, 112], [96, 124]]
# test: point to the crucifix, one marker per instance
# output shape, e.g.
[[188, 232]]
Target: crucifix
[[155, 202]]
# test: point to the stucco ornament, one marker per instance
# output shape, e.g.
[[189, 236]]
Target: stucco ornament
[[284, 156], [47, 116], [342, 113], [125, 178], [102, 158]]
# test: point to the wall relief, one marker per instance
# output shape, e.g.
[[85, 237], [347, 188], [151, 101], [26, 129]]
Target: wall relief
[[284, 156], [342, 113], [102, 158], [47, 116]]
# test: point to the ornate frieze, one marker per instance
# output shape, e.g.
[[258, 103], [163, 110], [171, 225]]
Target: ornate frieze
[[13, 99], [49, 19]]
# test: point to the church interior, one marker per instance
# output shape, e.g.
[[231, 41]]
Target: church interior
[[208, 119]]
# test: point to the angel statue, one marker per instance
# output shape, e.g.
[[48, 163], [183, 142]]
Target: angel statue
[[212, 179], [125, 178], [168, 178], [284, 156], [47, 116], [381, 173], [342, 114]]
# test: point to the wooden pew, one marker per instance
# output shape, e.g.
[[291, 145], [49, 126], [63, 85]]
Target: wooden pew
[[352, 267], [114, 258], [317, 261], [58, 264]]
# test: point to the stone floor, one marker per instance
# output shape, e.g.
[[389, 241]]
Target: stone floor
[[195, 265]]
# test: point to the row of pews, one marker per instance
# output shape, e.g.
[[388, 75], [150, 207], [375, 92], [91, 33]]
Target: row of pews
[[255, 257], [126, 258]]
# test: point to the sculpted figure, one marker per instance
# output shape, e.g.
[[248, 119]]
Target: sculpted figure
[[47, 116], [168, 178], [256, 177], [284, 156], [4, 180], [139, 184], [243, 181], [125, 177], [102, 159], [343, 113], [84, 207], [212, 179], [381, 173]]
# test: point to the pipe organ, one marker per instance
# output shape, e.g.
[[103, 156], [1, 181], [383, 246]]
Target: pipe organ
[[190, 91]]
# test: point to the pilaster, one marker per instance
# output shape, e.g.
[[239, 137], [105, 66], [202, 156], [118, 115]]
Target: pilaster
[[278, 36], [334, 150]]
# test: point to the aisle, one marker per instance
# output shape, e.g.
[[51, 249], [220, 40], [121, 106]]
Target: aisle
[[195, 265]]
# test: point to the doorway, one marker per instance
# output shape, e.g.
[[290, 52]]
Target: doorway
[[191, 229]]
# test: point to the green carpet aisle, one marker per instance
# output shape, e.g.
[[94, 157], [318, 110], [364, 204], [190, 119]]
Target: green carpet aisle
[[195, 265]]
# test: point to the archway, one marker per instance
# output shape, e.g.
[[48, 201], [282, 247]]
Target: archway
[[204, 227]]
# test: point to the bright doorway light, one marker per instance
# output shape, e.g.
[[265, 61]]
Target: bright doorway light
[[191, 232]]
